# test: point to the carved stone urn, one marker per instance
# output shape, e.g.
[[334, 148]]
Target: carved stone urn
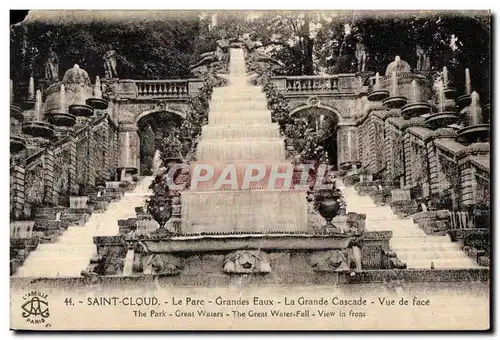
[[329, 208], [328, 204], [162, 212]]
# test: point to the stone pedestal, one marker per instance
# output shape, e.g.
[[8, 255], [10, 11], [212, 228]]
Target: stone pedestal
[[129, 144], [17, 187], [347, 151], [62, 131]]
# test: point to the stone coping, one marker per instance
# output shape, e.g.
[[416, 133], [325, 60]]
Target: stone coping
[[202, 243], [482, 162], [420, 132], [389, 277], [449, 146], [245, 235]]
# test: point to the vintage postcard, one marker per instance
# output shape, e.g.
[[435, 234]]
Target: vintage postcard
[[250, 170]]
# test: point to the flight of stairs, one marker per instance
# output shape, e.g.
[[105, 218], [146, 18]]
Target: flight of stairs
[[72, 251], [409, 241]]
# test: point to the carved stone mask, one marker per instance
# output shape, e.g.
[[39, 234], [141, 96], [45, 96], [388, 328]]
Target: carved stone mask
[[247, 261]]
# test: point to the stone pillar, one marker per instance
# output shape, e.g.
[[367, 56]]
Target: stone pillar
[[372, 162], [92, 148], [347, 148], [48, 176], [279, 83], [407, 158], [467, 185], [17, 191], [128, 141], [72, 184], [433, 168], [194, 86], [104, 147]]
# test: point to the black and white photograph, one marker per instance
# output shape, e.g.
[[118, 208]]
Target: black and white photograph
[[250, 170]]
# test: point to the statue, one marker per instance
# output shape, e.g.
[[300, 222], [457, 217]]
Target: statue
[[361, 55], [399, 66], [156, 162], [249, 42], [110, 64], [258, 61], [222, 50], [52, 67], [220, 55], [423, 59]]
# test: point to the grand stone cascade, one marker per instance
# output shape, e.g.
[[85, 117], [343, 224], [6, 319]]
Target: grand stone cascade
[[74, 249], [240, 132], [411, 244]]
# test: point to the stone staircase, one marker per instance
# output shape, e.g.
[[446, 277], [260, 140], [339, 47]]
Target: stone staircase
[[72, 251], [409, 242]]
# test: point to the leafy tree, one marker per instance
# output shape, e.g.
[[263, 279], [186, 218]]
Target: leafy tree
[[288, 37], [457, 40], [152, 49]]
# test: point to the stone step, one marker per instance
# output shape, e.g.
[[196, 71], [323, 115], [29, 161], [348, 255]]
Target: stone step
[[246, 105], [400, 239], [464, 262], [49, 272], [62, 253], [85, 238], [390, 223], [421, 254], [402, 233], [393, 224], [411, 247], [409, 242], [44, 266], [58, 247]]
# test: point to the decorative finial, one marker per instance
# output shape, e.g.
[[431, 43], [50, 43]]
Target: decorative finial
[[38, 105], [441, 96], [76, 67], [31, 89], [476, 113], [97, 88], [467, 82], [394, 84], [416, 95], [62, 98]]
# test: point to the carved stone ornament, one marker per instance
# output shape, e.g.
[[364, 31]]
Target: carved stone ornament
[[154, 264], [247, 261], [329, 261], [313, 101]]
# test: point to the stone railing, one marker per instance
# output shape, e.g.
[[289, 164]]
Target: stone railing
[[49, 176], [162, 88], [338, 83], [460, 220], [152, 89]]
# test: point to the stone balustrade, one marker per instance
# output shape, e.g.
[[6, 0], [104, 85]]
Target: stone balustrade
[[157, 89], [339, 83], [183, 88], [160, 88]]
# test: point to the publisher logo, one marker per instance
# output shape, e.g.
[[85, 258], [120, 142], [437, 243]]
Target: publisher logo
[[35, 308]]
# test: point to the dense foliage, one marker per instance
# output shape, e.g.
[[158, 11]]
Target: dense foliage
[[145, 50], [313, 42], [455, 40], [306, 42]]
